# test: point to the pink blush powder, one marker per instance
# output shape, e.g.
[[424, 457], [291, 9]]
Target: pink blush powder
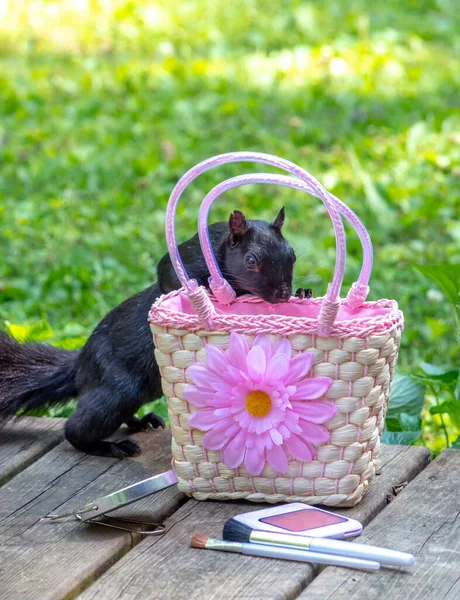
[[302, 520]]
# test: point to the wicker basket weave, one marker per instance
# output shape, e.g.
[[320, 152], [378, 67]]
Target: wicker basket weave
[[353, 342]]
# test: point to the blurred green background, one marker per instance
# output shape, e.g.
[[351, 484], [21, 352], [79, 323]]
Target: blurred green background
[[105, 104]]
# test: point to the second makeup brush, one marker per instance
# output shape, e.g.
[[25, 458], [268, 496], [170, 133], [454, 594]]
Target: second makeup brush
[[236, 531], [203, 541]]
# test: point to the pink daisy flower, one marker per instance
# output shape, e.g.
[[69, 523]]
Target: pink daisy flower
[[258, 405]]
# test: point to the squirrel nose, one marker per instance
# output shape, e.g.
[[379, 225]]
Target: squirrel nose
[[284, 294]]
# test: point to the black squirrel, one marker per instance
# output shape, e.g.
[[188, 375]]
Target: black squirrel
[[115, 372]]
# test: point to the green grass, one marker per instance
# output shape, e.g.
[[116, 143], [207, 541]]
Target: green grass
[[103, 109]]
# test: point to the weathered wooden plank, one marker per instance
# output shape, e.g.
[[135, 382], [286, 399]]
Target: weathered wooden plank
[[424, 520], [46, 560], [168, 568], [24, 440]]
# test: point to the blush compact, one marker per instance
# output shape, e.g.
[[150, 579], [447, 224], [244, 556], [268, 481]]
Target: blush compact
[[299, 519]]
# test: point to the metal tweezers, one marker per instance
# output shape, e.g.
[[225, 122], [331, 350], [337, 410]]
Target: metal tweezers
[[123, 497]]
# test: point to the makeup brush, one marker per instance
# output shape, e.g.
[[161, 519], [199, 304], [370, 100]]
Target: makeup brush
[[236, 531], [203, 541]]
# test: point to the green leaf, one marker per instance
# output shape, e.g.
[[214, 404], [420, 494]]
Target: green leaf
[[71, 343], [405, 438], [457, 390], [410, 422], [444, 374], [38, 332], [446, 381], [58, 410], [438, 328], [446, 407], [406, 396], [393, 423], [430, 369], [456, 444], [449, 407], [446, 277]]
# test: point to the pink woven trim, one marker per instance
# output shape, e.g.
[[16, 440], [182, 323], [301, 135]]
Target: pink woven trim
[[222, 290], [280, 324], [357, 295], [201, 303], [327, 316]]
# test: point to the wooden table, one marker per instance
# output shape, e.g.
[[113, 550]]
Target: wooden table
[[40, 474]]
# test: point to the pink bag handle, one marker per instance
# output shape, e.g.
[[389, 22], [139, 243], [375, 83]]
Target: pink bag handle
[[198, 297], [221, 288]]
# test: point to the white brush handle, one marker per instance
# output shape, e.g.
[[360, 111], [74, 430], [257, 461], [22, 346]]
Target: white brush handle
[[336, 547], [381, 555], [310, 557]]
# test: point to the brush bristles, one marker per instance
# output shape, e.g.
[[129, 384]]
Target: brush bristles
[[199, 540], [234, 531]]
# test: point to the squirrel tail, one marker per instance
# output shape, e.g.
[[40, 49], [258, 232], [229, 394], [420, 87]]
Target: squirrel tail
[[34, 375]]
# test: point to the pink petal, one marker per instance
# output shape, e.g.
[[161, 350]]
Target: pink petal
[[316, 412], [214, 440], [276, 436], [223, 412], [234, 375], [267, 440], [290, 390], [244, 419], [198, 397], [203, 377], [312, 449], [220, 400], [227, 426], [293, 426], [298, 448], [254, 461], [262, 424], [199, 374], [256, 363], [237, 351], [284, 431], [277, 368], [283, 347], [217, 359], [264, 342], [317, 434], [299, 367], [231, 430], [277, 459], [224, 387], [233, 454], [311, 389], [290, 417], [203, 420], [254, 441]]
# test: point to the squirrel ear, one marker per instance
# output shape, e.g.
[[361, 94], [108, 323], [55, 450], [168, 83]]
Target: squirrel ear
[[237, 225], [278, 222]]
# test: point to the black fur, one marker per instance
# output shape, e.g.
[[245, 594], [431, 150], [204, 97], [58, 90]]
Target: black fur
[[115, 373]]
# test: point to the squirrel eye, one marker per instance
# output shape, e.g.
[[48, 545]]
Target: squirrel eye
[[250, 262]]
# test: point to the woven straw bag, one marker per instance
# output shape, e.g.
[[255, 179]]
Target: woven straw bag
[[269, 403]]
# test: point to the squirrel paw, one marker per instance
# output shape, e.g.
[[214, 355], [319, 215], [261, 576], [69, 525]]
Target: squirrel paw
[[148, 421], [304, 293], [124, 448]]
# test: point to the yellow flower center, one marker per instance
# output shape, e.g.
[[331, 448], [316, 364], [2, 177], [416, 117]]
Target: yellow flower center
[[258, 404]]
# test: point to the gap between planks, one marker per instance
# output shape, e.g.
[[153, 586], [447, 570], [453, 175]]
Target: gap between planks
[[167, 568], [423, 520], [53, 560], [25, 440]]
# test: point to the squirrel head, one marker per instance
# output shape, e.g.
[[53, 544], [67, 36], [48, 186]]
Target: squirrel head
[[258, 260]]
